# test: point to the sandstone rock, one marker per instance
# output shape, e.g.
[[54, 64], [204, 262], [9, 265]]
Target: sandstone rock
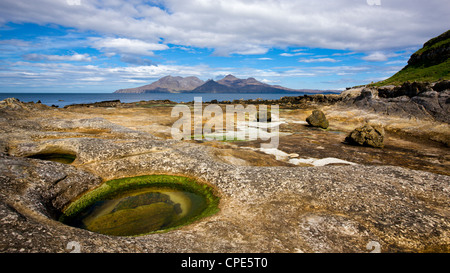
[[262, 209], [317, 119], [350, 94], [367, 135], [12, 103]]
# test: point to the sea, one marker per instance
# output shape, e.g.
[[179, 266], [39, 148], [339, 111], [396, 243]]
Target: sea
[[63, 99]]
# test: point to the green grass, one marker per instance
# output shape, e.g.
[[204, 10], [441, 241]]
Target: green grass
[[116, 187], [419, 74], [432, 69], [436, 45]]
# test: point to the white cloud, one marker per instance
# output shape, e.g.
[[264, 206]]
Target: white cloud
[[42, 57], [242, 27], [267, 81], [403, 62], [15, 43], [318, 60], [128, 46], [93, 79], [294, 54], [376, 57]]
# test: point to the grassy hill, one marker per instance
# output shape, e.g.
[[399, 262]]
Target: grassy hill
[[429, 64]]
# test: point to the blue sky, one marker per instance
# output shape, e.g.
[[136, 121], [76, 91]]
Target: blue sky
[[100, 46]]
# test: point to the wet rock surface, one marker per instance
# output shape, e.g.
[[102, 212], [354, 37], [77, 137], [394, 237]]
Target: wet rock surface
[[262, 209]]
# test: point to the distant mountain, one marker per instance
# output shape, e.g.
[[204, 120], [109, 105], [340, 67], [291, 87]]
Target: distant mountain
[[233, 82], [429, 64], [167, 84], [229, 84], [212, 86]]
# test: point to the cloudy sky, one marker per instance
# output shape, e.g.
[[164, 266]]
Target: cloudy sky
[[104, 45]]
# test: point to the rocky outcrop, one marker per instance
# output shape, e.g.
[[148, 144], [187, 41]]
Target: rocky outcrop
[[434, 51], [431, 63], [17, 105], [276, 209], [411, 100], [367, 135], [427, 101], [317, 119], [109, 103]]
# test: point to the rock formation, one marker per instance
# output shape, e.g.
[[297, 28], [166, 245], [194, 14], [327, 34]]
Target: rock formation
[[275, 209], [420, 100], [431, 63], [317, 119], [367, 135]]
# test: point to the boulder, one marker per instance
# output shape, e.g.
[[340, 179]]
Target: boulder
[[442, 86], [317, 119], [367, 135]]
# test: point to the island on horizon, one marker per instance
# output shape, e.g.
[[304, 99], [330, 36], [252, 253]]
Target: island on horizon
[[229, 84]]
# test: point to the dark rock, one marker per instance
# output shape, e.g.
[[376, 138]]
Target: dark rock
[[317, 119], [435, 51], [367, 135], [411, 100], [369, 93], [110, 103], [407, 89], [441, 86]]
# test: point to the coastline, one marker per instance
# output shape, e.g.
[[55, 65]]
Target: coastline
[[319, 195]]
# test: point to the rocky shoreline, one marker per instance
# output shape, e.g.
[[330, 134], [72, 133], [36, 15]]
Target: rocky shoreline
[[333, 208]]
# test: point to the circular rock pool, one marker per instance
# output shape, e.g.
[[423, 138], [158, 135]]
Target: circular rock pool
[[141, 205]]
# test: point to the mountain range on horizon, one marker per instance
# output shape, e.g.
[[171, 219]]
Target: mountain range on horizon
[[229, 84]]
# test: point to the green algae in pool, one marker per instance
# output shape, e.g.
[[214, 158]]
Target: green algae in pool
[[56, 157], [144, 208]]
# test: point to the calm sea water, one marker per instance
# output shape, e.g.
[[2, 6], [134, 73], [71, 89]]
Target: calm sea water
[[62, 99]]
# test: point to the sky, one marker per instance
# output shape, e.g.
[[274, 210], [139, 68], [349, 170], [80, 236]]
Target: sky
[[82, 46]]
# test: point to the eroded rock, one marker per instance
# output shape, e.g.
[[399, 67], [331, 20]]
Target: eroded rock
[[367, 135], [317, 119], [262, 209]]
